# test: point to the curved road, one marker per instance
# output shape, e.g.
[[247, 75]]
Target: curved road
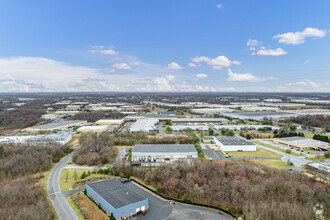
[[61, 205]]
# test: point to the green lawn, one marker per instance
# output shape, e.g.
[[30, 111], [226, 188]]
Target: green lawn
[[67, 177], [276, 148], [279, 164], [317, 158], [260, 152]]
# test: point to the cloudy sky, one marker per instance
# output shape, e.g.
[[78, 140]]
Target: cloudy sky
[[165, 45]]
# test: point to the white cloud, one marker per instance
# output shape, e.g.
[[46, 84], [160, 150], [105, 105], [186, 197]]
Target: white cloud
[[201, 75], [122, 66], [307, 61], [299, 37], [270, 52], [301, 84], [192, 65], [103, 50], [245, 77], [174, 66], [219, 5], [216, 63], [252, 44]]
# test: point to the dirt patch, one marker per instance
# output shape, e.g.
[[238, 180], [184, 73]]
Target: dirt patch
[[87, 208]]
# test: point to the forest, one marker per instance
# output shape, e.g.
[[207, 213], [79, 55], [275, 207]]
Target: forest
[[20, 169], [321, 121], [250, 190]]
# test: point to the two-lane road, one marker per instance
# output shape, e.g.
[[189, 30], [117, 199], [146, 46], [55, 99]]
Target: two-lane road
[[61, 205]]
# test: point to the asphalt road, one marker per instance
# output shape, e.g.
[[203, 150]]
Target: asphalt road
[[160, 209], [61, 205]]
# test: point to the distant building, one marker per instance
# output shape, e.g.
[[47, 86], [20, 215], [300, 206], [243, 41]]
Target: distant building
[[49, 117], [300, 142], [260, 115], [154, 152], [93, 129], [61, 139], [116, 198], [321, 168], [66, 113], [55, 126], [109, 122], [234, 144], [145, 125], [198, 121]]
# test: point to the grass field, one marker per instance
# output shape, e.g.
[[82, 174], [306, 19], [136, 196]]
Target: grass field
[[279, 164], [260, 152], [75, 207], [275, 148], [69, 177], [317, 158]]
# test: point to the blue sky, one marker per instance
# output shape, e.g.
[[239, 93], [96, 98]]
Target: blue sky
[[165, 45]]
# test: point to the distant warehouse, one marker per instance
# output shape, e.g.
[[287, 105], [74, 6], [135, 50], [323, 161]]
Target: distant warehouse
[[109, 122], [116, 198], [55, 126], [301, 142], [145, 125], [234, 144], [92, 129], [61, 139], [154, 152]]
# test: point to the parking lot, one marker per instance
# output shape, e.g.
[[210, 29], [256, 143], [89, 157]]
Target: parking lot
[[161, 209]]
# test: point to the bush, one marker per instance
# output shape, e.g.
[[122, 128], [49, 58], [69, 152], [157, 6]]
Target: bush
[[288, 151]]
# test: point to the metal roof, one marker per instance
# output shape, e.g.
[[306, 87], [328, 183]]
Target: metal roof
[[302, 140], [167, 148], [57, 124], [116, 193], [198, 120], [233, 141]]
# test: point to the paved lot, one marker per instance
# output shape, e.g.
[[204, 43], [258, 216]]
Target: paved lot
[[212, 154], [160, 209]]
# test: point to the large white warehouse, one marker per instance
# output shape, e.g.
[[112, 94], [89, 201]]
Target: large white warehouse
[[152, 152], [234, 144], [145, 125]]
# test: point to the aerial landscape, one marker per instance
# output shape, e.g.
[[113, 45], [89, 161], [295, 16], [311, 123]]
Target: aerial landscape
[[169, 109]]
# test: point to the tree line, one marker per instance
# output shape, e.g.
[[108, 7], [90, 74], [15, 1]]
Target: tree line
[[20, 169]]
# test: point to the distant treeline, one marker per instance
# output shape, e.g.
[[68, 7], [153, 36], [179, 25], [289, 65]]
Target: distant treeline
[[284, 133], [322, 121], [319, 137]]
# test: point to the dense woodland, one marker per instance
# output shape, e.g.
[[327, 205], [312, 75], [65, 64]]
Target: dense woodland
[[22, 117], [97, 115], [20, 167], [252, 191], [321, 121]]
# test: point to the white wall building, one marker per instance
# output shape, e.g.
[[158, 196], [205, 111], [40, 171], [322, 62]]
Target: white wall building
[[234, 144], [145, 125]]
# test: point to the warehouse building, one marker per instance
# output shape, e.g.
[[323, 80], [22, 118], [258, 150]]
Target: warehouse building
[[197, 121], [93, 129], [300, 142], [245, 127], [210, 111], [145, 125], [116, 198], [234, 144], [61, 139], [321, 168], [56, 126], [260, 115], [159, 152], [179, 128], [109, 122], [66, 113]]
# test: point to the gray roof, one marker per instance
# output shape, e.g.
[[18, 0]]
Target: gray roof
[[57, 124], [261, 113], [154, 148], [116, 193], [198, 120], [301, 140], [233, 141]]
